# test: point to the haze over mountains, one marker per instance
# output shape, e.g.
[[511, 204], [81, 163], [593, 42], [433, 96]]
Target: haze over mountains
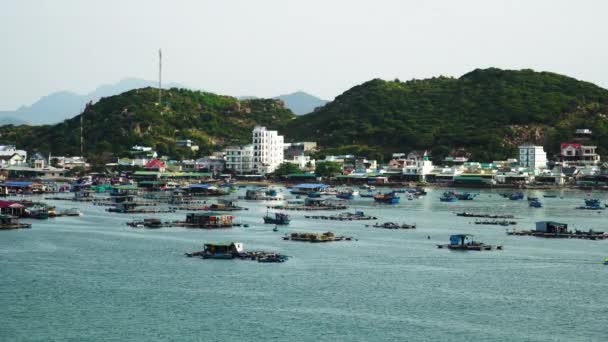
[[62, 105]]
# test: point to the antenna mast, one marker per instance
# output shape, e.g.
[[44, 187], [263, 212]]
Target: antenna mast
[[82, 133], [160, 76]]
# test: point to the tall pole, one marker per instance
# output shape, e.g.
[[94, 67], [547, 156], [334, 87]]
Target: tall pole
[[160, 76], [82, 134]]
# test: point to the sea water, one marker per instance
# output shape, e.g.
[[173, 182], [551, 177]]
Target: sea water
[[92, 278]]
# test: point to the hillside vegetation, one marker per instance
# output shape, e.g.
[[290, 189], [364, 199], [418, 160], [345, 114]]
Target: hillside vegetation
[[484, 114], [116, 123]]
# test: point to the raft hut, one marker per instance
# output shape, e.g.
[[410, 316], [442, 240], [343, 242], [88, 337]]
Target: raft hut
[[465, 242], [552, 229], [308, 188], [208, 220], [11, 222]]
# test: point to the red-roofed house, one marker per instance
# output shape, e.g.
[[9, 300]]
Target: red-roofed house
[[155, 165]]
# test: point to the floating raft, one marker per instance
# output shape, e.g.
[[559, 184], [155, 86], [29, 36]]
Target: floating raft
[[471, 247], [498, 223], [307, 208], [465, 214], [391, 225], [575, 235], [316, 237], [342, 217]]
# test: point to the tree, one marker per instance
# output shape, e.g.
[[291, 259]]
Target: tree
[[285, 169], [328, 169]]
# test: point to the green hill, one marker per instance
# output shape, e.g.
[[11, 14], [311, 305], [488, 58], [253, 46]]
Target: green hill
[[485, 113], [116, 123]]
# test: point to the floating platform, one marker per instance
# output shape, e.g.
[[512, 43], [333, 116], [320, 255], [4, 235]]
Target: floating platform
[[391, 225], [471, 247], [316, 237], [575, 235], [497, 223], [358, 216], [308, 208], [490, 216]]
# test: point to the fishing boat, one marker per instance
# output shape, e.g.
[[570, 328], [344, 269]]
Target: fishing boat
[[535, 204], [279, 218], [532, 199], [346, 194], [606, 261], [387, 198], [38, 212], [448, 197], [550, 196]]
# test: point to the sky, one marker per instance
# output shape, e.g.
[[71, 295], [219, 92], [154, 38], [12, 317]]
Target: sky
[[271, 47]]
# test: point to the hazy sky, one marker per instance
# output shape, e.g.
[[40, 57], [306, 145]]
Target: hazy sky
[[271, 47]]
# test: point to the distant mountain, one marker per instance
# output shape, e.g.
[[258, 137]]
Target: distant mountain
[[301, 103], [62, 105], [487, 113]]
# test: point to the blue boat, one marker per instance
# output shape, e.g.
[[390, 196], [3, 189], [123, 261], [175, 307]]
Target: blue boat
[[467, 196], [516, 196], [448, 197], [346, 194], [535, 204], [387, 198], [592, 204]]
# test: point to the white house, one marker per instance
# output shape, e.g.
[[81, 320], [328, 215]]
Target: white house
[[267, 150], [532, 157], [239, 159]]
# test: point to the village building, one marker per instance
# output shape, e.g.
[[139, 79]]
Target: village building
[[9, 150], [187, 143], [268, 151], [579, 154], [239, 159], [11, 160], [292, 150], [414, 166], [532, 157]]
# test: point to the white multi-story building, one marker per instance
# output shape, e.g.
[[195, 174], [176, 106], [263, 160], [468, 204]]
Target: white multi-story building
[[267, 150], [416, 165], [532, 157], [239, 159], [9, 150]]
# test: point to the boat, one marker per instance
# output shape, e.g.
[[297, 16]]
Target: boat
[[532, 199], [592, 204], [466, 196], [448, 197], [38, 212], [535, 204], [465, 242], [467, 214], [606, 261], [516, 196], [71, 212], [387, 198], [550, 196], [369, 194], [346, 194], [314, 195], [279, 218], [273, 258]]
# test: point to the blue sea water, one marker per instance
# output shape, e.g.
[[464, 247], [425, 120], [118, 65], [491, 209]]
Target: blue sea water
[[92, 278]]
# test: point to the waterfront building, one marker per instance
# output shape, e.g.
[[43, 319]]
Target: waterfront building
[[532, 157], [415, 165], [69, 162], [579, 154], [155, 165], [303, 162], [268, 151], [239, 159], [11, 160]]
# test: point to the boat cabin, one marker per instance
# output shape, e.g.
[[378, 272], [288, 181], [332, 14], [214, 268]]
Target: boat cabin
[[551, 227]]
